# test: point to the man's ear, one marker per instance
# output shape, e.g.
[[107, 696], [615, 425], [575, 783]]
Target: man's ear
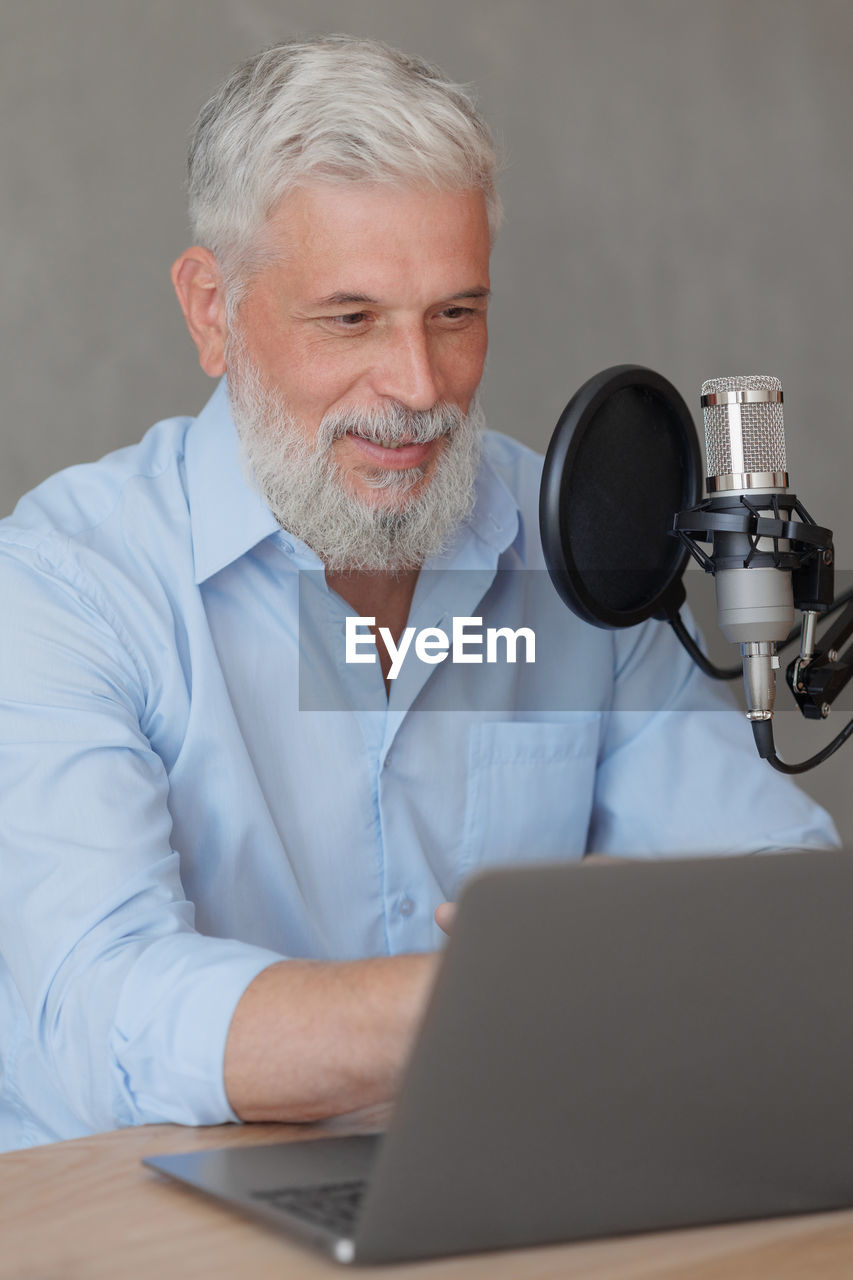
[[198, 284]]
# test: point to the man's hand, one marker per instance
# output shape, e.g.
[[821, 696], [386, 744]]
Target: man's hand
[[446, 913], [444, 916]]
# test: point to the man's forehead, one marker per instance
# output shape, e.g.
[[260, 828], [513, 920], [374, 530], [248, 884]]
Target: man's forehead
[[345, 238]]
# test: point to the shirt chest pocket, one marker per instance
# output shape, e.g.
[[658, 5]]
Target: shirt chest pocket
[[530, 791]]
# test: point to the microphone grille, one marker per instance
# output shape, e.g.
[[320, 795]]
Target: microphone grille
[[748, 437], [743, 382]]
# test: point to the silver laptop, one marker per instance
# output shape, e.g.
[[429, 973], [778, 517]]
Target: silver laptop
[[608, 1049]]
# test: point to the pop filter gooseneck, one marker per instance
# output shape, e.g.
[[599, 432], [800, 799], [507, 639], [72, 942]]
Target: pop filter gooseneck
[[623, 460]]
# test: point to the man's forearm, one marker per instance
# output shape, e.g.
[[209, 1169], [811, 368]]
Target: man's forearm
[[310, 1039]]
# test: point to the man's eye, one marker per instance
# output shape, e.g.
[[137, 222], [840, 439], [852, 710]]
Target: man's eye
[[350, 321], [457, 313]]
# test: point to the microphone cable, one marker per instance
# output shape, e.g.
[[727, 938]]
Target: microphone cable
[[762, 731]]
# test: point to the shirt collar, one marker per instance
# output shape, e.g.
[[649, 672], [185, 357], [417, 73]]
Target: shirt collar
[[229, 517], [227, 513]]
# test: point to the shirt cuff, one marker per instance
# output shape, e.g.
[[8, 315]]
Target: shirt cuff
[[168, 1040]]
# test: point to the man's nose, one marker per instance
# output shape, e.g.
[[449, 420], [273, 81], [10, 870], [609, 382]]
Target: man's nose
[[407, 372]]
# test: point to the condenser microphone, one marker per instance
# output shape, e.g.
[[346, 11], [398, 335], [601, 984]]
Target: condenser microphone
[[746, 468], [620, 515]]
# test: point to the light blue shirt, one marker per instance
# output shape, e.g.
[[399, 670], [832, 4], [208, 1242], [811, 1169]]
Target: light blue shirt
[[195, 784]]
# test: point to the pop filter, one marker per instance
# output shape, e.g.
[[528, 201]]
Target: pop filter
[[623, 461]]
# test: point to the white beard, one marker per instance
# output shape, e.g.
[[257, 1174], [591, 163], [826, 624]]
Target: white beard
[[306, 491]]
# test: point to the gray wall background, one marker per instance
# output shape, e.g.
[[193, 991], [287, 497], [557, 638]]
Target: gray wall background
[[679, 194]]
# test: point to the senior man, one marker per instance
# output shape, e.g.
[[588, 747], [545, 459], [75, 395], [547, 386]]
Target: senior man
[[218, 886]]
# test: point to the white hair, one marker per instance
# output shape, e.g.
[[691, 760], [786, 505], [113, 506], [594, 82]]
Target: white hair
[[331, 108]]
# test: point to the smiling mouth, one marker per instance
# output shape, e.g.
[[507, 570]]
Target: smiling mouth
[[406, 443], [388, 444], [395, 455]]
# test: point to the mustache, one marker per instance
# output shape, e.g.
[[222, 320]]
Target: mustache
[[390, 424]]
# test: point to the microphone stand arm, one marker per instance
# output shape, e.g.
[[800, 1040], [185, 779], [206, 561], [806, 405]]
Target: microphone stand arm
[[820, 672], [816, 678]]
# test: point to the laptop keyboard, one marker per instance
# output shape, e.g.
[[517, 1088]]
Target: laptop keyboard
[[334, 1206]]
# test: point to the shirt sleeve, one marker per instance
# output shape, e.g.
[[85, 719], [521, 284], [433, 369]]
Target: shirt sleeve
[[129, 1005], [679, 773]]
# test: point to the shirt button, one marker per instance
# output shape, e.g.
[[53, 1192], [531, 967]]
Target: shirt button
[[406, 907]]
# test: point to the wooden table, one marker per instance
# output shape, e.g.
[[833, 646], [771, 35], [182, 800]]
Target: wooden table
[[88, 1209]]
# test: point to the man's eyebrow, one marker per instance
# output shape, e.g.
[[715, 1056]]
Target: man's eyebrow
[[343, 300], [479, 291], [360, 299]]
